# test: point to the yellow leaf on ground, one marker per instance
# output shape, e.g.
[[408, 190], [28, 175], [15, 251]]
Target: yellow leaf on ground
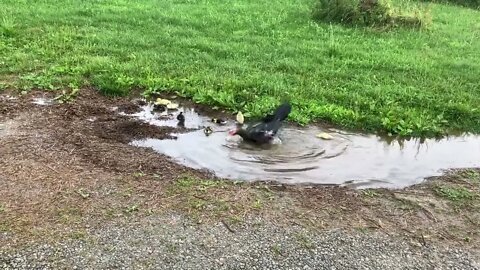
[[162, 101], [240, 118], [172, 106], [324, 136]]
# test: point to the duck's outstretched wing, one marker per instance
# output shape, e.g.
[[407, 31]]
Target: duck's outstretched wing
[[264, 130]]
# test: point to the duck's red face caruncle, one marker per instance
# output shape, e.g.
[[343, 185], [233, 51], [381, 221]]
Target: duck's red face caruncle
[[233, 132]]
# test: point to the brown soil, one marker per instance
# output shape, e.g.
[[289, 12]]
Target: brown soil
[[129, 108], [69, 166]]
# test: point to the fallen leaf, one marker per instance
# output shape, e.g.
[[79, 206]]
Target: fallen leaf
[[240, 118], [324, 136], [172, 106], [162, 101]]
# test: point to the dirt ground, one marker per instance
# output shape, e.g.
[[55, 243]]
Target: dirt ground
[[67, 167]]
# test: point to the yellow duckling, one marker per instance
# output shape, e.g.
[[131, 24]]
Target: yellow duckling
[[208, 131]]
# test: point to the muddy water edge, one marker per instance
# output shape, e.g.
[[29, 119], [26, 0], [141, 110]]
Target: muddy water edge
[[66, 167], [298, 156]]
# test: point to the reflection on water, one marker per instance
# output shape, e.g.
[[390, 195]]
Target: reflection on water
[[168, 118], [300, 157], [42, 101]]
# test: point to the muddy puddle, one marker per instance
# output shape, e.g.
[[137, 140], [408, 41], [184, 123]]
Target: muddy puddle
[[169, 117], [300, 157]]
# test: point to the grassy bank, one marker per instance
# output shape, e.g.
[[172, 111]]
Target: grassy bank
[[248, 55]]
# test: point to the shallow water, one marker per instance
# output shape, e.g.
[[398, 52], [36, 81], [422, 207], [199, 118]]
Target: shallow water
[[42, 101], [169, 118], [300, 157]]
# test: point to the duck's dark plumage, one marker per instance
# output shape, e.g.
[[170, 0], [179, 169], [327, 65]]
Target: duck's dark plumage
[[264, 130], [181, 117]]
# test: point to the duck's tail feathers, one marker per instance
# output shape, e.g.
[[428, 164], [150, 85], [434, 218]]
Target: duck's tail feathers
[[282, 112]]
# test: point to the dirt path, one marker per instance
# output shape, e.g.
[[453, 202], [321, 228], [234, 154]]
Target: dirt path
[[68, 175]]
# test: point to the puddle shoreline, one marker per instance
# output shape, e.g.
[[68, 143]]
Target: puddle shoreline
[[299, 157], [348, 159]]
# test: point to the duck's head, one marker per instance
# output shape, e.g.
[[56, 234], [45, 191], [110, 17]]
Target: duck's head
[[239, 131], [233, 132]]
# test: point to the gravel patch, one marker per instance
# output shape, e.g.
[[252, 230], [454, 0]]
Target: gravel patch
[[172, 242]]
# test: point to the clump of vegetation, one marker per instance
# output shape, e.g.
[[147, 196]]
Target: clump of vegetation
[[113, 84], [475, 4], [369, 13], [370, 193], [67, 97], [7, 28], [455, 194], [471, 175]]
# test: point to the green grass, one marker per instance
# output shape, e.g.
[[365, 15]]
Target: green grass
[[204, 199], [475, 4], [248, 55], [471, 175], [370, 193], [455, 194], [374, 13]]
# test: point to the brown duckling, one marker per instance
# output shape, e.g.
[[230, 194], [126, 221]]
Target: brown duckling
[[219, 121], [208, 130]]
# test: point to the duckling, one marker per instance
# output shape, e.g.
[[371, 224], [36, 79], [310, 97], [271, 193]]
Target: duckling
[[219, 121], [181, 117], [181, 120], [159, 108], [208, 130]]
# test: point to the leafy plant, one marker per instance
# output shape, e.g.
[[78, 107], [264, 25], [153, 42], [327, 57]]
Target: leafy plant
[[471, 175], [342, 11], [42, 81], [455, 194], [367, 12], [370, 193], [118, 84], [67, 97], [7, 28]]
